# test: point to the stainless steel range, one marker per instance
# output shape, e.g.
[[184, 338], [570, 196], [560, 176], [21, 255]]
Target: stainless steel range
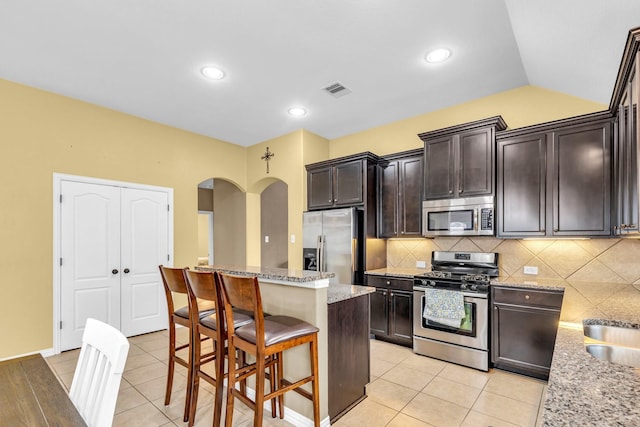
[[451, 309]]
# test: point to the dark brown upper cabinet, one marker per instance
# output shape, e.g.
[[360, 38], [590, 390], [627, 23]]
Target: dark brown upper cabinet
[[400, 194], [554, 179], [521, 196], [459, 160], [624, 104], [341, 182]]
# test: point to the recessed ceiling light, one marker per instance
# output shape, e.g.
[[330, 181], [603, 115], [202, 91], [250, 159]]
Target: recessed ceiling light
[[213, 73], [297, 111], [438, 55]]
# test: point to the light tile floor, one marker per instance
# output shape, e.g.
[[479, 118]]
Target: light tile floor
[[406, 390]]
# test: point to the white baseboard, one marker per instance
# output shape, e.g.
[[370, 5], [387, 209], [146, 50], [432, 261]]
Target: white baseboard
[[45, 353]]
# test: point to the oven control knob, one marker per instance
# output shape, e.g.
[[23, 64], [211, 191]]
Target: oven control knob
[[432, 283], [474, 287], [463, 286]]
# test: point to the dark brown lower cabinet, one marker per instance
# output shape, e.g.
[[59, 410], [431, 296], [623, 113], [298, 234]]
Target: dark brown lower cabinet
[[524, 327], [348, 340], [392, 309]]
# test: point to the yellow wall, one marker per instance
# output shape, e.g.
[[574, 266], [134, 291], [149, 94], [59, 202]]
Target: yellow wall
[[42, 133], [526, 105]]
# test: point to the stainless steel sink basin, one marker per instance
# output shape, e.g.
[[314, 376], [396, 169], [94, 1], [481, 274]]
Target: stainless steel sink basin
[[615, 335], [628, 356]]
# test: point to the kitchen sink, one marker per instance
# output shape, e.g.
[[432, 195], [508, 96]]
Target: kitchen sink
[[629, 356], [616, 335]]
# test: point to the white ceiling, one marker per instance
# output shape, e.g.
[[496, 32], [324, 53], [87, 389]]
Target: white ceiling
[[143, 57]]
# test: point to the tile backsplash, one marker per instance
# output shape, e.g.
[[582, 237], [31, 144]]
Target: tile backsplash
[[601, 276]]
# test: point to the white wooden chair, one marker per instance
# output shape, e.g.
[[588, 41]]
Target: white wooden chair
[[96, 381]]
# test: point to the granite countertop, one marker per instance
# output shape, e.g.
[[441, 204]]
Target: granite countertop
[[514, 283], [340, 292], [284, 274], [397, 272], [583, 390]]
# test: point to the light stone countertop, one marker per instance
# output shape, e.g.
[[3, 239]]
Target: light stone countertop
[[339, 292], [585, 391], [284, 274], [335, 292], [397, 272]]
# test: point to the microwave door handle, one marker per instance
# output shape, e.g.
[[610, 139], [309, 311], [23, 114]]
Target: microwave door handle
[[475, 219]]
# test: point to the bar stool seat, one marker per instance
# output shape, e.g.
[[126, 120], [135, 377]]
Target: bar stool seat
[[277, 329], [207, 308]]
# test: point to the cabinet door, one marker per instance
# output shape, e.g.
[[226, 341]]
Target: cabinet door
[[626, 159], [410, 196], [400, 317], [439, 168], [475, 171], [521, 195], [523, 338], [582, 180], [348, 186], [379, 312], [320, 188], [388, 212]]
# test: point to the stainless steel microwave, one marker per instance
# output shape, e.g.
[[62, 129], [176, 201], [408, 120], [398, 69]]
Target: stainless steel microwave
[[471, 216]]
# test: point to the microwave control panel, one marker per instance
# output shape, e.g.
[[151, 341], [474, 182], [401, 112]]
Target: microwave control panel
[[486, 219]]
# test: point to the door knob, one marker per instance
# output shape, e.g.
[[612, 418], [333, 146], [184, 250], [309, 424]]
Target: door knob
[[114, 271], [126, 270]]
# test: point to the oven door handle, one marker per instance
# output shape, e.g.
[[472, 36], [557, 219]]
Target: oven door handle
[[481, 296]]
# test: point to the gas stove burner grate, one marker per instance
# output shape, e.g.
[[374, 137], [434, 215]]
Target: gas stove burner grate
[[438, 275], [476, 278]]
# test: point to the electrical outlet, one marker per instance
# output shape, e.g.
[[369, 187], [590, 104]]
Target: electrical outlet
[[421, 264], [530, 270], [266, 239]]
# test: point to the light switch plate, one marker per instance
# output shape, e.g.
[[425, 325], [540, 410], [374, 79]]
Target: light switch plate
[[530, 270], [266, 239], [293, 238], [421, 264]]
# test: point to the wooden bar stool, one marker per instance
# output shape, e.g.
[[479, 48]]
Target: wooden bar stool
[[174, 282], [203, 288], [266, 339]]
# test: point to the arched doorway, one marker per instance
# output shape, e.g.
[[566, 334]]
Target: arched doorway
[[221, 223]]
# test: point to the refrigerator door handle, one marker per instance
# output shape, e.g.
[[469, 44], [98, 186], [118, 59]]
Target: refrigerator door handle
[[320, 253]]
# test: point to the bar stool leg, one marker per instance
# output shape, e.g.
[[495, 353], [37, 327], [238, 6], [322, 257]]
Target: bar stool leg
[[313, 347], [231, 384], [172, 363], [219, 364], [193, 384], [280, 374], [259, 399]]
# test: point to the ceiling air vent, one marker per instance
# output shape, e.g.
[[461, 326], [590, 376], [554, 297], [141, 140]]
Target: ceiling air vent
[[337, 90]]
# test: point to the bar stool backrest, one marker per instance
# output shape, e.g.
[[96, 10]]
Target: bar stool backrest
[[243, 292]]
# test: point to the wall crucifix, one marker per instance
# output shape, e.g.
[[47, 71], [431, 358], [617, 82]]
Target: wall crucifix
[[268, 155]]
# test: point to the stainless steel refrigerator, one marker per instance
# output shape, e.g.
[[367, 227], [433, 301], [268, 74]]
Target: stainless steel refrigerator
[[333, 241]]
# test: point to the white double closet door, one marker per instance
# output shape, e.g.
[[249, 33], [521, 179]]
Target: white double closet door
[[112, 240]]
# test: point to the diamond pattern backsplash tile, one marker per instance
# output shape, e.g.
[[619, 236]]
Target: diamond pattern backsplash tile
[[601, 276], [595, 260]]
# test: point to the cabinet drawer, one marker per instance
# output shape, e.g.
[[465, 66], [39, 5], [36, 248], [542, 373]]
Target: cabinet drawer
[[527, 297], [389, 282]]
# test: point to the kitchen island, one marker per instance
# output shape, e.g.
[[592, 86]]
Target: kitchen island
[[341, 312]]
